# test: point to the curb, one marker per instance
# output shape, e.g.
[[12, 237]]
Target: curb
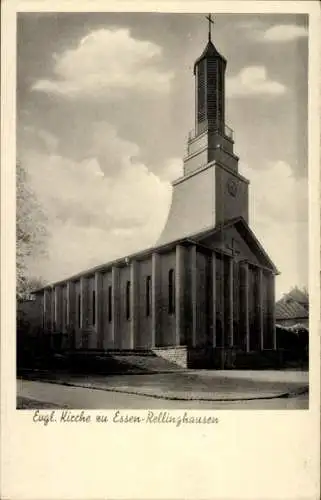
[[25, 371], [289, 394]]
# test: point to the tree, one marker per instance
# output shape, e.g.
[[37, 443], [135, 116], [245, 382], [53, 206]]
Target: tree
[[300, 295], [30, 232]]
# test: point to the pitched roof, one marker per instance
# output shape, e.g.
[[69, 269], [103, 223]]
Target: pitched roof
[[195, 238], [288, 308], [246, 233], [299, 296]]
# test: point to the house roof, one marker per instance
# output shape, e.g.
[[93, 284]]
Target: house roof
[[288, 308], [195, 238]]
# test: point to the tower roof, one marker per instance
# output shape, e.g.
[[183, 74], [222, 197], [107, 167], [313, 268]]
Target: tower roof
[[209, 51]]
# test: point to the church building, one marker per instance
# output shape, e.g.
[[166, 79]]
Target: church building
[[206, 287]]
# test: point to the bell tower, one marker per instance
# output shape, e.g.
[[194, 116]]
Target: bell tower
[[211, 190], [209, 71], [211, 131]]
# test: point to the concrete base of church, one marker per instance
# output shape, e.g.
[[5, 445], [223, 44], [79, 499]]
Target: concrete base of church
[[188, 357], [220, 358]]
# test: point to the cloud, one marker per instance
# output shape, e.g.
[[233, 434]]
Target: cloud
[[94, 217], [96, 214], [40, 139], [252, 81], [107, 62], [260, 32], [279, 216], [277, 193], [172, 170], [284, 33]]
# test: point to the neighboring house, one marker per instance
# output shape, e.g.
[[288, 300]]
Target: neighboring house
[[293, 309]]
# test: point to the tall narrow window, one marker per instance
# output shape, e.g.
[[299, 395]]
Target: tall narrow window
[[128, 300], [66, 311], [148, 296], [110, 311], [94, 308], [79, 310], [44, 314], [52, 312], [171, 291]]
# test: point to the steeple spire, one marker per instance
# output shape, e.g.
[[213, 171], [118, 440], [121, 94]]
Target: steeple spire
[[209, 71], [210, 22]]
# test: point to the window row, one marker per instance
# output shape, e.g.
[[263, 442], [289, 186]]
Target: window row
[[128, 301]]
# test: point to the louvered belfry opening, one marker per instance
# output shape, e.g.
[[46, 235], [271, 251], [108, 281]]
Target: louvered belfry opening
[[210, 91], [215, 95], [201, 94]]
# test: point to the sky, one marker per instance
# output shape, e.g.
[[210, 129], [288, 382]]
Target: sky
[[105, 102]]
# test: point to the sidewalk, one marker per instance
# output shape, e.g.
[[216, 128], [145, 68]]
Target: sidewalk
[[201, 385], [287, 376]]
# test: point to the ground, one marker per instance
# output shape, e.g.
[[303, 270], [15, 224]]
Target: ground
[[190, 390], [40, 395]]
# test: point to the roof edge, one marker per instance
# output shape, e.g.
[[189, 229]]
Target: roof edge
[[162, 248]]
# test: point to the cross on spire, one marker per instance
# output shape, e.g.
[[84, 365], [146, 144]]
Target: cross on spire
[[210, 22]]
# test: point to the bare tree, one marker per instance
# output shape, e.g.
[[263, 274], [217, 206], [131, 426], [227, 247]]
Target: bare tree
[[300, 295], [30, 232]]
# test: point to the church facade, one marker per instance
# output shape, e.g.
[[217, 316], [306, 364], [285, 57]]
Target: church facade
[[207, 286]]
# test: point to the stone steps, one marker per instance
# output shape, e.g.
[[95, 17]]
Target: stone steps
[[123, 361]]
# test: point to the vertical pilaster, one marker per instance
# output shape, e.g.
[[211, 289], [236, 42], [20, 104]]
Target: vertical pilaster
[[83, 303], [179, 295], [246, 307], [58, 317], [78, 320], [45, 310], [194, 293], [98, 330], [260, 308], [52, 316], [214, 299], [57, 308], [83, 311], [196, 103], [155, 300], [52, 308], [69, 305], [115, 307], [64, 321], [271, 306], [71, 320], [99, 310], [231, 304], [134, 304]]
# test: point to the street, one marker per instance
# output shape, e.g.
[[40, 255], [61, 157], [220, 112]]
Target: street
[[32, 394]]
